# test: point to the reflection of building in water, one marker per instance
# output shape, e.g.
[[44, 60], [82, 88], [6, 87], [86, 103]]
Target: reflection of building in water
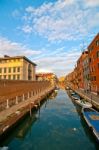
[[53, 95], [26, 126]]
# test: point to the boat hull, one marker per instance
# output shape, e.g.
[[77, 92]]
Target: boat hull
[[82, 104], [91, 122]]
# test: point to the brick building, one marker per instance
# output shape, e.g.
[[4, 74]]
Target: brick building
[[86, 73], [80, 71], [93, 50], [47, 77]]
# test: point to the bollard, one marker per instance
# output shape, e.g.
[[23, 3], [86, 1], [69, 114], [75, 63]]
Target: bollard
[[7, 103], [28, 94], [23, 97], [16, 99]]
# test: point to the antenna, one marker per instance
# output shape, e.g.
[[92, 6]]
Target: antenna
[[83, 46]]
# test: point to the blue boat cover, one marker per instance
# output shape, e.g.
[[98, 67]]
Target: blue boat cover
[[94, 122]]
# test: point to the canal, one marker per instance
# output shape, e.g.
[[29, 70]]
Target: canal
[[58, 126]]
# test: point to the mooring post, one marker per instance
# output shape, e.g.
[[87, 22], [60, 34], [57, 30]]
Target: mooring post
[[28, 94], [23, 97], [7, 103], [16, 99]]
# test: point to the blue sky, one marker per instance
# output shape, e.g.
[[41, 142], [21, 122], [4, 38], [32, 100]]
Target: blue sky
[[52, 33]]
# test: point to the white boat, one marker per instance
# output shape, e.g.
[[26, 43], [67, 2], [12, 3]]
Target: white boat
[[83, 103]]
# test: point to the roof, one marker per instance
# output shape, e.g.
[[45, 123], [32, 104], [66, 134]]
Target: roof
[[96, 37], [15, 57]]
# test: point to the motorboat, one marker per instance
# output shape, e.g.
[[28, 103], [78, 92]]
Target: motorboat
[[83, 103], [91, 116]]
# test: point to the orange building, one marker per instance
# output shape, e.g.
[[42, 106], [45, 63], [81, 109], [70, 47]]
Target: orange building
[[47, 77], [86, 73], [93, 50], [70, 79], [80, 70]]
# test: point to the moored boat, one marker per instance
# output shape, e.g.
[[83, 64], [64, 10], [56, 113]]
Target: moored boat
[[83, 103], [75, 96], [91, 117]]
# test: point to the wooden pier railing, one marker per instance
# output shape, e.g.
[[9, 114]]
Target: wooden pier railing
[[14, 92]]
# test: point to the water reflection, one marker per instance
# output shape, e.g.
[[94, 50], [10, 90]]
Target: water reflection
[[58, 126], [22, 129], [53, 95], [26, 126]]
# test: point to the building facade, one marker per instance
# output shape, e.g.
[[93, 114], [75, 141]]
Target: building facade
[[93, 50], [47, 77], [17, 68], [86, 74], [80, 70]]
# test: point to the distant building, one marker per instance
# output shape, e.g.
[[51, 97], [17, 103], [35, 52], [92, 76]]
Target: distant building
[[47, 77], [17, 68]]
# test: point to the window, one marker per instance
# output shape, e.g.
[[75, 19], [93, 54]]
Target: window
[[98, 65], [9, 77], [14, 69], [89, 59], [18, 69], [18, 77], [4, 76], [9, 70], [97, 54], [4, 70], [90, 48], [0, 70], [97, 43], [94, 78], [13, 77]]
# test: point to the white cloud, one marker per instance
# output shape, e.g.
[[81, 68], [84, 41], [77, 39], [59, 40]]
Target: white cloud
[[27, 29], [91, 3], [62, 20], [43, 70], [13, 48], [59, 62]]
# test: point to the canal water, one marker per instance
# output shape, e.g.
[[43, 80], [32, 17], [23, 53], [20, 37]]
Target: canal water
[[58, 126]]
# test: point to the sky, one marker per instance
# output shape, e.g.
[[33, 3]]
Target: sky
[[51, 33]]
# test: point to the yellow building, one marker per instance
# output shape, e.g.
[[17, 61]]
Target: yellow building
[[17, 68]]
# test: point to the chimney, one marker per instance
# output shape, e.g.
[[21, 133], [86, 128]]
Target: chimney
[[6, 56]]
